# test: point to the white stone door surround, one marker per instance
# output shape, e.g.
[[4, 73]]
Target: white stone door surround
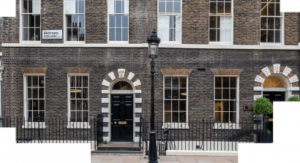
[[284, 73], [107, 84]]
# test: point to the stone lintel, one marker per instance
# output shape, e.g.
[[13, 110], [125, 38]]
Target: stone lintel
[[82, 70], [226, 71], [176, 71], [31, 70]]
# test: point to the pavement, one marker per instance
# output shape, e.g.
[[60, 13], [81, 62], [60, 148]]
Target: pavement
[[162, 159]]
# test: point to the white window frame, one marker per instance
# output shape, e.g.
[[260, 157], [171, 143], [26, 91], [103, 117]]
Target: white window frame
[[25, 113], [282, 28], [176, 125], [232, 25], [170, 42], [21, 26], [228, 125], [82, 125], [116, 42], [65, 25]]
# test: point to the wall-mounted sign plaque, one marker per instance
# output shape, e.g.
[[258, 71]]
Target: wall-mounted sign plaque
[[248, 107], [122, 122], [52, 34]]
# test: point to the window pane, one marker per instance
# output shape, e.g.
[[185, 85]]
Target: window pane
[[271, 9], [81, 21], [79, 105], [118, 7], [177, 6], [78, 92], [81, 34], [73, 116], [225, 106], [111, 34], [175, 82], [263, 36], [118, 20], [232, 117], [118, 34], [126, 7], [167, 117], [41, 92], [213, 22], [225, 117], [174, 116], [167, 93], [162, 7], [175, 93], [25, 20], [212, 35], [227, 8], [225, 93], [264, 9], [29, 104], [218, 117], [30, 6], [25, 34], [29, 93], [81, 6], [72, 93], [42, 105], [218, 105], [167, 81], [183, 94], [73, 104], [169, 7], [125, 34], [182, 105], [34, 93], [225, 81], [85, 105], [34, 104], [232, 82], [220, 8], [174, 105], [218, 81], [85, 116], [277, 36], [182, 117], [232, 93], [36, 7], [75, 34], [277, 9], [31, 34], [29, 116], [85, 81], [213, 8], [35, 115], [75, 20], [37, 21], [270, 36], [72, 81], [70, 6], [232, 106], [182, 82], [85, 93], [270, 23], [218, 94], [218, 35], [263, 23], [37, 34], [167, 105], [35, 80], [29, 81], [111, 7], [25, 7], [69, 34], [79, 116], [277, 23], [125, 21], [172, 35]]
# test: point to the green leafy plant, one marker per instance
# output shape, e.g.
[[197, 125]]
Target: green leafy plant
[[104, 142], [268, 131], [262, 106], [294, 98]]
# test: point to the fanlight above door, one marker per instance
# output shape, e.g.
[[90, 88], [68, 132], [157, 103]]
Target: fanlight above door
[[122, 85]]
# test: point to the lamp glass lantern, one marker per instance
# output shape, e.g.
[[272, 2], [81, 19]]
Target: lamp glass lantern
[[153, 42]]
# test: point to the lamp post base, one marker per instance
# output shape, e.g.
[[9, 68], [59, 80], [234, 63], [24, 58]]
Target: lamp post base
[[152, 148]]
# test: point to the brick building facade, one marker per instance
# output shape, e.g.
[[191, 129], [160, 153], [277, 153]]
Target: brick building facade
[[245, 58]]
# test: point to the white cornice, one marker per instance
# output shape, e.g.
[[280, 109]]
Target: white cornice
[[145, 45]]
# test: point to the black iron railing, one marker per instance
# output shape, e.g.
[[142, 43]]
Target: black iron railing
[[205, 135], [56, 130]]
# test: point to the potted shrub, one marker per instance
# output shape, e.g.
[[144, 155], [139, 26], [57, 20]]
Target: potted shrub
[[294, 98], [264, 137]]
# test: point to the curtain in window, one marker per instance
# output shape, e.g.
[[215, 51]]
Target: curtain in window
[[70, 6], [225, 26], [36, 6]]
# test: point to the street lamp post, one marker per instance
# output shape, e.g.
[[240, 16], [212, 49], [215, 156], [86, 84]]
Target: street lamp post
[[153, 42]]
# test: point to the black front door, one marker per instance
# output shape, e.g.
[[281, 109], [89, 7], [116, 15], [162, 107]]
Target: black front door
[[122, 117], [274, 96]]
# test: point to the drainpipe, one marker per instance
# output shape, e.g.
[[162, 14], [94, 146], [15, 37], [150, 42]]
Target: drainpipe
[[1, 70]]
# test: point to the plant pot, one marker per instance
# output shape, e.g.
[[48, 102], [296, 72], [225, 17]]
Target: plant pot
[[264, 138]]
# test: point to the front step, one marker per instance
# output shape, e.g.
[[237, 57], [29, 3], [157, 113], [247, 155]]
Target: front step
[[119, 148], [123, 153]]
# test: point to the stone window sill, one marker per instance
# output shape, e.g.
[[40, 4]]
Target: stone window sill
[[78, 125]]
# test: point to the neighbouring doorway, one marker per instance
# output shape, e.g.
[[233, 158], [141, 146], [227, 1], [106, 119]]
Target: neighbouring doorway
[[122, 117], [273, 96]]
